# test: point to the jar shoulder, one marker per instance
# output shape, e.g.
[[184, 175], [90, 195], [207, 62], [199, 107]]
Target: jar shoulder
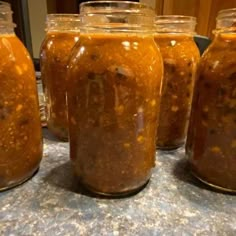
[[219, 59]]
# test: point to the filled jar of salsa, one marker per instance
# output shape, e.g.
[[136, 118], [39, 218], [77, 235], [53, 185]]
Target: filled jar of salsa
[[62, 34], [21, 138], [211, 143], [113, 97], [174, 35]]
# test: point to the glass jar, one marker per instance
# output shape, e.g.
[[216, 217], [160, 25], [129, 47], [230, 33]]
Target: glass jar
[[211, 143], [174, 35], [113, 97], [62, 34], [21, 139]]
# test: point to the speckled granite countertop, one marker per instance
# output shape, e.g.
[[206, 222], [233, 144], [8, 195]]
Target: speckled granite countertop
[[173, 203]]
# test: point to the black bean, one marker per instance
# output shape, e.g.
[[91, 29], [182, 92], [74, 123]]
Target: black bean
[[2, 117], [94, 57], [169, 85], [121, 76], [207, 85], [227, 109], [170, 67], [91, 76], [212, 131], [204, 115], [200, 78], [222, 91], [232, 76], [210, 67], [4, 112], [94, 76], [23, 121]]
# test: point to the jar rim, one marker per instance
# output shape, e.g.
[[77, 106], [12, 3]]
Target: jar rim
[[113, 7], [112, 1], [62, 17], [175, 19], [226, 21], [116, 16], [6, 15], [63, 22], [175, 24], [225, 13], [5, 8], [5, 5]]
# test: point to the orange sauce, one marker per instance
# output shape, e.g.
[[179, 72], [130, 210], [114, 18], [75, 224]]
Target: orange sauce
[[211, 145], [20, 139], [114, 85], [55, 52], [180, 57]]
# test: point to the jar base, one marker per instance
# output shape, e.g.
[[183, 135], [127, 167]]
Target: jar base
[[117, 194], [169, 148], [57, 137], [19, 182], [58, 133], [216, 187]]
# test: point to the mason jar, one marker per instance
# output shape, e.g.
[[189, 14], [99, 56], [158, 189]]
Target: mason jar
[[174, 35], [211, 143], [62, 32], [21, 138], [114, 79]]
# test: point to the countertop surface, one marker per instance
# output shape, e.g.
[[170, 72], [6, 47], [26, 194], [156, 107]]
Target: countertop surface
[[173, 203]]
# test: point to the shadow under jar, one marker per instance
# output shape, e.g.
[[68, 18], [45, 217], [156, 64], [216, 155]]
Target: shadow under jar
[[174, 36], [62, 34], [21, 137], [113, 97], [211, 142]]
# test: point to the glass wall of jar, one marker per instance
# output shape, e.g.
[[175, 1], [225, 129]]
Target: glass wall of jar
[[174, 35], [21, 138], [211, 143], [62, 34], [113, 97]]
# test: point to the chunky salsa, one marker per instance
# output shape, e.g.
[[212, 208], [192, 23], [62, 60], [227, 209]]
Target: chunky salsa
[[55, 53], [20, 139], [113, 87], [211, 144], [180, 57]]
